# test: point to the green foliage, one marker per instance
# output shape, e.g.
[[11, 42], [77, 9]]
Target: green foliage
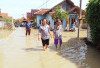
[[93, 19], [59, 14], [7, 20], [94, 1], [16, 21]]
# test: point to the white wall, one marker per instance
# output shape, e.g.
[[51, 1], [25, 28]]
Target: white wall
[[2, 23]]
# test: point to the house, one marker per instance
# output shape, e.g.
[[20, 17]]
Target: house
[[31, 16], [40, 15], [66, 6], [4, 15]]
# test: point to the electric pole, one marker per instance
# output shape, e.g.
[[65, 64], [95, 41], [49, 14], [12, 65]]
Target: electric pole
[[79, 18]]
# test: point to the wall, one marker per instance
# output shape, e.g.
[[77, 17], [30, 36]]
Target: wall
[[66, 6], [64, 23], [89, 34], [2, 24], [40, 17], [49, 18]]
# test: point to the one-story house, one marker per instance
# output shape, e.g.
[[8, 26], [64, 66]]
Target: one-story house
[[66, 6]]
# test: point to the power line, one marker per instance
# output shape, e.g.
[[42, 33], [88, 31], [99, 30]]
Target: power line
[[44, 3]]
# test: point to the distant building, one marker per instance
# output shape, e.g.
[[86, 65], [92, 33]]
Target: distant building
[[31, 16], [22, 20], [4, 15], [65, 5]]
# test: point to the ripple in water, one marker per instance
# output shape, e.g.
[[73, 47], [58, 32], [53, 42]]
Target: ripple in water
[[76, 54]]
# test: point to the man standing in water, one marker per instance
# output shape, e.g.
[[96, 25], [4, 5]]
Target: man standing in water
[[45, 34], [28, 27]]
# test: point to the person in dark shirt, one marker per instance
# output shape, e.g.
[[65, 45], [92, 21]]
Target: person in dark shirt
[[28, 27]]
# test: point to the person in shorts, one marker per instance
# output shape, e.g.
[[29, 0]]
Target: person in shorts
[[45, 34], [28, 27], [57, 33]]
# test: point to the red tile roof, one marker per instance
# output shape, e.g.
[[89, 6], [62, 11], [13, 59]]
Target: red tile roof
[[33, 11], [41, 11], [4, 14], [10, 17]]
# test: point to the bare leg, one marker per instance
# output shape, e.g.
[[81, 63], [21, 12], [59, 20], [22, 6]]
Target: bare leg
[[56, 46], [26, 33], [29, 32], [44, 48], [60, 45]]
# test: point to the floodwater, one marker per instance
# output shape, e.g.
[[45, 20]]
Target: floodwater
[[4, 33], [20, 51], [82, 55]]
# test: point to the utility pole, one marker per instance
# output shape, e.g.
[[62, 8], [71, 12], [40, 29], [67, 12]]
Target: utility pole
[[0, 11], [46, 4], [79, 18]]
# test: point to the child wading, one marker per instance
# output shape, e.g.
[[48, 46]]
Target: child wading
[[57, 33], [45, 34], [28, 27]]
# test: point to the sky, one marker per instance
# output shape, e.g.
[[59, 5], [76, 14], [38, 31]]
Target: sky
[[19, 8]]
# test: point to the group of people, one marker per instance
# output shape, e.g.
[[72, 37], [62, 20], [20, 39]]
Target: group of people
[[44, 32]]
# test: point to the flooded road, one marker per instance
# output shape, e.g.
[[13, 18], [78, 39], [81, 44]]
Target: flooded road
[[20, 51], [4, 33]]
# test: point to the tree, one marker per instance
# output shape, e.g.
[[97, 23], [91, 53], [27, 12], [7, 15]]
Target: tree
[[58, 14], [93, 19], [16, 21], [7, 20]]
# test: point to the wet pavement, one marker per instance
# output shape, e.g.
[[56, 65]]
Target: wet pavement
[[20, 51], [1, 41]]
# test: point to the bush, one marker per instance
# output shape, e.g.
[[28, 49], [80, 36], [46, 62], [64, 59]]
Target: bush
[[93, 19]]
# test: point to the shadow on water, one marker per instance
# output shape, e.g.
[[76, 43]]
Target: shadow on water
[[32, 49], [79, 53]]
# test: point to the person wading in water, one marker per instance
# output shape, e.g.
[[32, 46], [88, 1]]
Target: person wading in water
[[28, 27], [45, 34]]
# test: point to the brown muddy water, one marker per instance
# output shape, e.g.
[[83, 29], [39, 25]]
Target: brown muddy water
[[27, 52], [84, 56]]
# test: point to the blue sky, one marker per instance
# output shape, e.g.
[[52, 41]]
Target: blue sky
[[16, 8]]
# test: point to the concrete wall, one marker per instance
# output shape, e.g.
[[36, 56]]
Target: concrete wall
[[49, 18], [40, 17], [89, 34], [64, 23], [66, 6], [2, 24]]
